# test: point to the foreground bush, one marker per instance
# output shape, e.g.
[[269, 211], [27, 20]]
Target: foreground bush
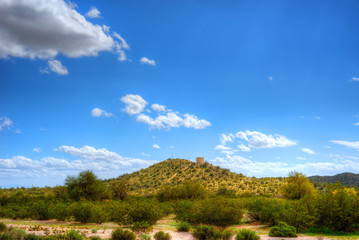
[[203, 232], [183, 227], [162, 236], [246, 234], [141, 227], [2, 227], [217, 211], [121, 234], [73, 235], [83, 211], [282, 230]]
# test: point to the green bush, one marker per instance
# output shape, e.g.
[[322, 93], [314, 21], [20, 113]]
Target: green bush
[[60, 211], [283, 230], [120, 234], [33, 237], [203, 232], [40, 210], [95, 238], [141, 227], [226, 235], [98, 214], [246, 234], [73, 235], [218, 211], [183, 227], [94, 230], [15, 234], [162, 236], [83, 212], [145, 237], [269, 210], [2, 227], [144, 211]]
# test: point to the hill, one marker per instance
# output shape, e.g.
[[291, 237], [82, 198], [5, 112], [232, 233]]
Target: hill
[[347, 179], [175, 171]]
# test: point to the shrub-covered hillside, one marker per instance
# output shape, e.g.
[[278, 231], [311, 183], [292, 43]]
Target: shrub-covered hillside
[[347, 179], [175, 171]]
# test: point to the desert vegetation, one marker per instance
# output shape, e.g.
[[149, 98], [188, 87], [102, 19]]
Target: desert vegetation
[[294, 207]]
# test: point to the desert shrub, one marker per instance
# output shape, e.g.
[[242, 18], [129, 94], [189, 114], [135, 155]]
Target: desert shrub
[[203, 232], [94, 230], [73, 235], [98, 214], [246, 234], [218, 211], [120, 234], [188, 190], [297, 186], [144, 211], [60, 211], [2, 227], [33, 237], [5, 236], [183, 227], [40, 210], [184, 211], [141, 227], [282, 230], [269, 210], [82, 211], [95, 238], [226, 235], [162, 236], [145, 237], [16, 234], [118, 211]]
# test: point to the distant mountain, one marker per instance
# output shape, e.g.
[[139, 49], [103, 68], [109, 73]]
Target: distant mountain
[[175, 171], [347, 179]]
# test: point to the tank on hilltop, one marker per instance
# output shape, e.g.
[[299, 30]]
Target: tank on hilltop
[[199, 161]]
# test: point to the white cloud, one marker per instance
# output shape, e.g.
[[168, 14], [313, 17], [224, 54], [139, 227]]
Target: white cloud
[[93, 13], [165, 118], [264, 169], [301, 158], [145, 154], [18, 131], [252, 139], [355, 79], [5, 122], [57, 67], [172, 147], [40, 29], [309, 151], [36, 149], [356, 124], [135, 104], [244, 148], [158, 108], [353, 145], [103, 162], [270, 78], [156, 146], [222, 148], [96, 112], [145, 60]]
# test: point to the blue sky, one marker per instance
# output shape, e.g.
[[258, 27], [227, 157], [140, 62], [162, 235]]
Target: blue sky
[[259, 87]]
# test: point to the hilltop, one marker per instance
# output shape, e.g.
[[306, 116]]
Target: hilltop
[[347, 179], [175, 171]]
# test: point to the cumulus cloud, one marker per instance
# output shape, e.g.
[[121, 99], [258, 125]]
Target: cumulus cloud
[[301, 158], [40, 29], [355, 79], [57, 67], [145, 60], [135, 104], [356, 124], [252, 139], [97, 112], [158, 108], [5, 122], [103, 162], [249, 167], [353, 145], [309, 151], [93, 13], [156, 146], [166, 118]]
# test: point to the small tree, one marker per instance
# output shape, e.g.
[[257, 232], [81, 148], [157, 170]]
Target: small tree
[[119, 188], [86, 185], [297, 186]]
